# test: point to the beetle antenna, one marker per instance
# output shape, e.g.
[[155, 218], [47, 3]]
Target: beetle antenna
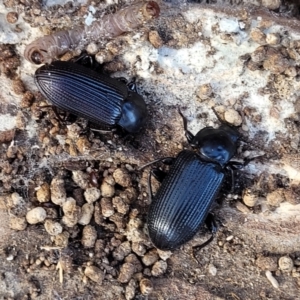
[[189, 136], [155, 161], [150, 193], [197, 248], [183, 118]]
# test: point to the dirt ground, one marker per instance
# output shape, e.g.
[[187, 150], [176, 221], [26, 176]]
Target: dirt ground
[[73, 202]]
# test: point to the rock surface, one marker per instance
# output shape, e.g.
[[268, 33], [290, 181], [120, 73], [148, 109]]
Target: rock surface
[[240, 59]]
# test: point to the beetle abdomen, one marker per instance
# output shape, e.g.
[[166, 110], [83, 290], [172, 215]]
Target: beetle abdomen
[[82, 92], [183, 200]]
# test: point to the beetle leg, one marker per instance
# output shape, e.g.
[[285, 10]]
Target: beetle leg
[[213, 228], [60, 119], [158, 174], [189, 136], [236, 165], [150, 193], [84, 59], [131, 85], [122, 79], [211, 223], [88, 61]]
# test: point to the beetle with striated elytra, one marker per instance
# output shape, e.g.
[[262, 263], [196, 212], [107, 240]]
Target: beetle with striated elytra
[[100, 99], [187, 192]]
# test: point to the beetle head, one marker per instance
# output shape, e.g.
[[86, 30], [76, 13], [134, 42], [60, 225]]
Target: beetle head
[[134, 113], [216, 145]]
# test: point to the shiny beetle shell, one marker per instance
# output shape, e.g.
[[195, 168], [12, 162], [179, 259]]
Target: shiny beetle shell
[[96, 97], [188, 190], [183, 200]]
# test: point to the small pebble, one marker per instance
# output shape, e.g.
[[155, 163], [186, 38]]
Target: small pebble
[[129, 194], [233, 117], [122, 177], [258, 36], [107, 190], [43, 193], [146, 286], [107, 207], [155, 39], [10, 257], [83, 144], [271, 4], [12, 17], [229, 238], [272, 279], [291, 72], [273, 38], [81, 179], [87, 211], [120, 204], [138, 248], [92, 49], [119, 221], [285, 264], [52, 227], [212, 270], [74, 131], [150, 257], [204, 91], [17, 223], [36, 215], [27, 99], [249, 198], [259, 54], [126, 272], [85, 279], [62, 239], [291, 196], [133, 259], [92, 194], [275, 61], [72, 212], [58, 191], [14, 200], [104, 56], [267, 263], [89, 236], [242, 208], [275, 198], [164, 255], [130, 289], [109, 179], [123, 250], [159, 268], [94, 273], [18, 86]]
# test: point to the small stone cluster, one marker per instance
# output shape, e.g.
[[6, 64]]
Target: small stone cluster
[[99, 204], [272, 265]]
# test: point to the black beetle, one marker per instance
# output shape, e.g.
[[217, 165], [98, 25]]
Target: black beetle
[[187, 192], [96, 97]]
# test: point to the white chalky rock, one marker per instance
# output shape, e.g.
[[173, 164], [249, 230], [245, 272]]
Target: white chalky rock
[[36, 215]]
